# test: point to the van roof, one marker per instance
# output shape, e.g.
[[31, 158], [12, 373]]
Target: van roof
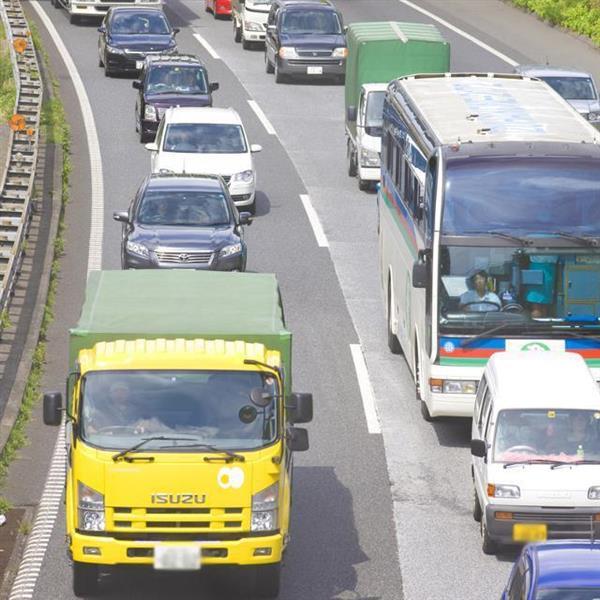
[[206, 114], [540, 379]]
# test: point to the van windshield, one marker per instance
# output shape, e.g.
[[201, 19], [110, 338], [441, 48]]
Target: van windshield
[[566, 435], [120, 409]]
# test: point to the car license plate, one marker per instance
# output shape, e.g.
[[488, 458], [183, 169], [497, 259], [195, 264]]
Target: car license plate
[[530, 532], [177, 558], [314, 70], [139, 64]]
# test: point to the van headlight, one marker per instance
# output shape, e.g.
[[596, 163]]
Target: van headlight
[[593, 117], [287, 52], [594, 492], [113, 50], [503, 491], [244, 176], [340, 53], [231, 250], [264, 509], [90, 508], [252, 26], [369, 158], [150, 113]]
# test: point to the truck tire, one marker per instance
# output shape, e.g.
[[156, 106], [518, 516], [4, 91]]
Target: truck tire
[[352, 162], [488, 545], [266, 580], [85, 579], [477, 512]]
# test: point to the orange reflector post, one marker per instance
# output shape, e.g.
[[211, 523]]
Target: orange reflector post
[[504, 516], [491, 490]]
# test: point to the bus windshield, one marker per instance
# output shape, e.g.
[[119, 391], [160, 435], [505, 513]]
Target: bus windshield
[[482, 287], [523, 195]]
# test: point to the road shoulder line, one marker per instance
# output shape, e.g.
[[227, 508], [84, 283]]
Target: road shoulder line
[[314, 221], [366, 389]]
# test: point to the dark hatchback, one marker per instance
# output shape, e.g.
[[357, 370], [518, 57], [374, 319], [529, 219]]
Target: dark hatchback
[[183, 222], [165, 81], [129, 35]]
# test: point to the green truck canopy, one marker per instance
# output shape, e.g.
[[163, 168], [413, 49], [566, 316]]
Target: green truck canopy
[[182, 304]]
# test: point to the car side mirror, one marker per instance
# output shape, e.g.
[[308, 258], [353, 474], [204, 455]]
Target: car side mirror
[[53, 408], [101, 29], [478, 448], [345, 28], [271, 28], [213, 87], [351, 114], [122, 216], [420, 274], [254, 148], [297, 439], [176, 30], [152, 147], [300, 408], [245, 218], [137, 84]]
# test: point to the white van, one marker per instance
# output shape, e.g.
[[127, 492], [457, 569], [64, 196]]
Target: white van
[[536, 449], [249, 19]]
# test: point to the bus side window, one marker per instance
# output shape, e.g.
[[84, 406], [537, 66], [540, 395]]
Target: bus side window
[[430, 191], [398, 168], [409, 188]]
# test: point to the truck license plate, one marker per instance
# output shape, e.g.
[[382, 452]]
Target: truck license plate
[[177, 558], [139, 64], [530, 532], [314, 70]]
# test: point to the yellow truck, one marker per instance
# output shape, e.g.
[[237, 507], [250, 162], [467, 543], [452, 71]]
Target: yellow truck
[[180, 426]]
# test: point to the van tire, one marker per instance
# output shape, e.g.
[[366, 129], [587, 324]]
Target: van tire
[[488, 545], [392, 338], [269, 68], [237, 32], [279, 77], [267, 580], [477, 512], [85, 579]]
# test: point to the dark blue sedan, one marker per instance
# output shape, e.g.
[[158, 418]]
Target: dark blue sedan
[[556, 570]]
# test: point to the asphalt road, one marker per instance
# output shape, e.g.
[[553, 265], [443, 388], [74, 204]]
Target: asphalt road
[[376, 516]]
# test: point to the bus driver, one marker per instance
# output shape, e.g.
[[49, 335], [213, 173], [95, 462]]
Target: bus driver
[[479, 298]]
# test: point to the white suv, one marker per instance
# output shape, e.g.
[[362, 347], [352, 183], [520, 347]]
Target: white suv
[[207, 141]]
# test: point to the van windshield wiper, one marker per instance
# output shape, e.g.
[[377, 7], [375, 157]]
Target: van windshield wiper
[[585, 241], [576, 462], [533, 461], [231, 456], [156, 438]]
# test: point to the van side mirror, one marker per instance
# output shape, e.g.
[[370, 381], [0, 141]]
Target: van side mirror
[[213, 87], [351, 114], [479, 448], [245, 218], [53, 404], [101, 29], [300, 408], [121, 215], [420, 274], [176, 30], [297, 439], [254, 148], [152, 147], [137, 84]]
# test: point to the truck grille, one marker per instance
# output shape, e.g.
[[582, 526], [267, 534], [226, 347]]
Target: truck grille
[[184, 257], [561, 525]]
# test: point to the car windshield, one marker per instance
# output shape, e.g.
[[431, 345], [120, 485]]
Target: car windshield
[[205, 138], [120, 409], [568, 593], [190, 208], [311, 21], [572, 88], [520, 194], [544, 289], [139, 23], [566, 435], [169, 79], [374, 116]]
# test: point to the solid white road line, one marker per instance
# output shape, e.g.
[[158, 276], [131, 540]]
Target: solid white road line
[[468, 36], [262, 117], [366, 390], [313, 218], [207, 46]]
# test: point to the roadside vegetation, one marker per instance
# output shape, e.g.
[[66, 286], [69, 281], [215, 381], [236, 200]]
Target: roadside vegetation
[[580, 16], [8, 91]]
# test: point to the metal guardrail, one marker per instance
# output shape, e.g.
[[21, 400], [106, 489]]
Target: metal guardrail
[[17, 180]]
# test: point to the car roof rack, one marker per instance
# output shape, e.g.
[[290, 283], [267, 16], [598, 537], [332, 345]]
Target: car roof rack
[[174, 59]]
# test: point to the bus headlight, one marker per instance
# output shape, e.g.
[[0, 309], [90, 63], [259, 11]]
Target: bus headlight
[[369, 158], [264, 509], [452, 386], [90, 508]]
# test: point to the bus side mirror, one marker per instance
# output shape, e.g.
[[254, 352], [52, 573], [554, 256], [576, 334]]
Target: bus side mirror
[[478, 448], [297, 439], [351, 114], [53, 404], [420, 274], [300, 409]]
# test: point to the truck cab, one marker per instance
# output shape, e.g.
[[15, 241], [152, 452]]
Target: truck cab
[[250, 21]]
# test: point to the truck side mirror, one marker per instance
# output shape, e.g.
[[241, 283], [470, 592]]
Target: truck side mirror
[[300, 409], [478, 448], [297, 439], [351, 114], [53, 403], [213, 87], [420, 274], [137, 84]]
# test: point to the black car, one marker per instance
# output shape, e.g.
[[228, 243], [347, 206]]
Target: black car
[[129, 35], [305, 38], [165, 81], [183, 222]]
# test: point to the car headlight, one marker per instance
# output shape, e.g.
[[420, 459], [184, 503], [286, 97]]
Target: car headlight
[[252, 26], [264, 509], [230, 250], [150, 113], [90, 508], [138, 249], [503, 491], [594, 492], [113, 50], [245, 176], [287, 52], [369, 158], [340, 53], [594, 116]]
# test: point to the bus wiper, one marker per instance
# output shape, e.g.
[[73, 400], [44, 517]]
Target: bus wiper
[[512, 238], [231, 456], [576, 462], [483, 334], [156, 438], [533, 461], [585, 241]]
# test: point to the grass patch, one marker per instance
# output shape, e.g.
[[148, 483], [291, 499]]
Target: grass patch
[[8, 91]]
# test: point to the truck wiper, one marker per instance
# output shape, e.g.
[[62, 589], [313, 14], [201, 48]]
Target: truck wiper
[[231, 456], [576, 462], [156, 438], [585, 241], [533, 461]]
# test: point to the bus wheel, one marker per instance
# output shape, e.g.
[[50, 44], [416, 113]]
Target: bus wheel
[[266, 580], [423, 405], [85, 579], [392, 338]]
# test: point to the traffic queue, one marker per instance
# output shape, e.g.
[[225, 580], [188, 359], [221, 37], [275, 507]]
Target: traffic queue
[[494, 306]]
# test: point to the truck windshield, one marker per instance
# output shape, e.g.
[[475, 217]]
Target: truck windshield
[[119, 409], [547, 435], [548, 290], [374, 116], [521, 194], [572, 88]]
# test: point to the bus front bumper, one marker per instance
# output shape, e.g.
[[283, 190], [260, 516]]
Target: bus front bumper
[[106, 550]]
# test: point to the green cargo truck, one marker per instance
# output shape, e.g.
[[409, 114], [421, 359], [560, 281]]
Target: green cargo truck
[[377, 53], [180, 426]]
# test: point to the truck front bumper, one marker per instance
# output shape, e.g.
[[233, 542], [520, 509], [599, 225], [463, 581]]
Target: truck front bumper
[[369, 173], [107, 550]]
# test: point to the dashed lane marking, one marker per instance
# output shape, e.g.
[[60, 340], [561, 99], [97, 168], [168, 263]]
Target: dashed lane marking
[[313, 219], [207, 46], [258, 111]]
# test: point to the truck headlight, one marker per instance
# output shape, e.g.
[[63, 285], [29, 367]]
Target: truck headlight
[[594, 492], [90, 508], [231, 250], [369, 158], [287, 52], [150, 113], [252, 26], [340, 53], [264, 509], [503, 491], [138, 249], [593, 117], [244, 176]]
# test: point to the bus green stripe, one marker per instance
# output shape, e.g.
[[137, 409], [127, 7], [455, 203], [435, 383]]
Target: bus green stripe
[[401, 226], [481, 362]]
